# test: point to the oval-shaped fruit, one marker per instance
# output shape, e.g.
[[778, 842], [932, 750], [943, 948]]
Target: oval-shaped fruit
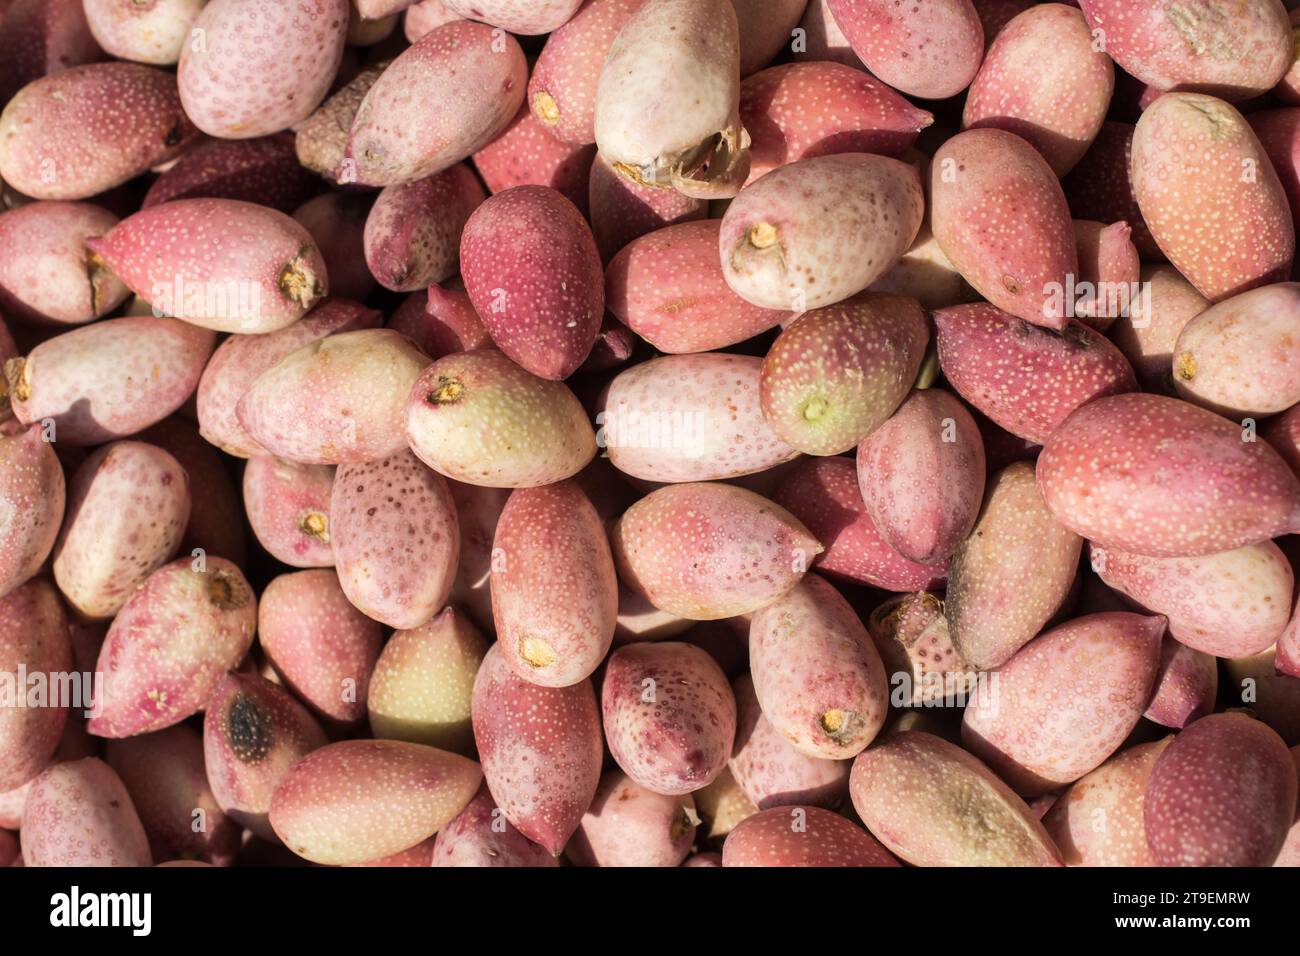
[[152, 33], [707, 551], [1187, 686], [532, 270], [34, 640], [628, 825], [85, 385], [440, 101], [817, 675], [669, 715], [689, 418], [128, 505], [1222, 794], [253, 732], [264, 170], [32, 497], [360, 800], [623, 210], [1149, 331], [540, 748], [1012, 573], [802, 836], [288, 508], [81, 131], [422, 683], [337, 223], [79, 814], [1026, 378], [930, 50], [335, 400], [413, 231], [933, 804], [921, 474], [554, 593], [395, 538], [1195, 162], [260, 66], [478, 417], [481, 836], [440, 321], [321, 139], [1160, 477], [167, 649], [924, 669], [528, 154], [1044, 79], [820, 230], [222, 264], [1000, 216], [1066, 701]]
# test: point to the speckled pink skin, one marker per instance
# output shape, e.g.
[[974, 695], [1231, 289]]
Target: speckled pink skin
[[395, 537], [1160, 477], [41, 37], [526, 153], [928, 50], [440, 321], [322, 648], [623, 211], [360, 800], [799, 110], [532, 270], [562, 88], [1147, 336], [165, 777], [1044, 80], [629, 825], [1229, 604], [169, 646], [481, 836], [412, 235], [1100, 187], [32, 496], [708, 551], [824, 494], [540, 748], [1109, 263], [420, 18], [337, 224], [149, 32], [689, 418], [264, 170], [288, 508], [1066, 701], [1000, 216], [80, 814], [933, 804], [1026, 378], [128, 505], [669, 715], [85, 130], [88, 380], [478, 510], [816, 673], [837, 373], [921, 662], [668, 287], [554, 593], [525, 17], [802, 836], [33, 635], [1098, 821], [441, 101], [667, 99], [820, 230], [240, 359], [321, 139], [1222, 794], [1186, 688], [46, 273], [770, 770], [336, 400], [1241, 357], [1013, 572], [478, 417], [1210, 195], [921, 474], [263, 66], [1235, 51], [1283, 433], [253, 732], [221, 264]]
